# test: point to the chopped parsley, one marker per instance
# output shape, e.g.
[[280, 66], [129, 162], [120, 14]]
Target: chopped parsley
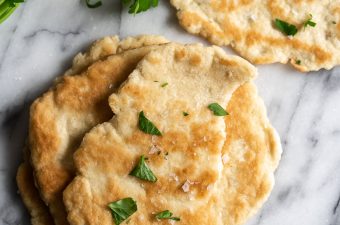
[[94, 4], [286, 28], [166, 215], [7, 7], [122, 209], [142, 171], [298, 62], [309, 22], [217, 110], [136, 6], [140, 5], [164, 84], [147, 126], [185, 114], [333, 22]]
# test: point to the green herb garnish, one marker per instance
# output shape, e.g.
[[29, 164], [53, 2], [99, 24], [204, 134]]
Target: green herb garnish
[[142, 171], [286, 28], [164, 84], [147, 126], [333, 22], [298, 62], [94, 4], [185, 114], [217, 110], [166, 215], [122, 209], [140, 5], [7, 7], [136, 6], [309, 22]]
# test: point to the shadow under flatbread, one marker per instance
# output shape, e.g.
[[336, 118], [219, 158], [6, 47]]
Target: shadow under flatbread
[[13, 132]]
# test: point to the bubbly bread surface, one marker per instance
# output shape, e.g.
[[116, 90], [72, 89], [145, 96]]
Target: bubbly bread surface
[[187, 161], [249, 28]]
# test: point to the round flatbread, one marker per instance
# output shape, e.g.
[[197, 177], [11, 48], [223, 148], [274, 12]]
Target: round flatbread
[[249, 28], [185, 156], [60, 118]]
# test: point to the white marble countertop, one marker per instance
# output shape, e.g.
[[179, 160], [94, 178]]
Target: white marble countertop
[[39, 40]]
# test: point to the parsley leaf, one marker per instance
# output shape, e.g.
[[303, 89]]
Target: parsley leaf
[[142, 171], [147, 126], [217, 110], [185, 114], [122, 209], [135, 7], [166, 215], [93, 5], [309, 22], [7, 7], [286, 28], [298, 62], [140, 5]]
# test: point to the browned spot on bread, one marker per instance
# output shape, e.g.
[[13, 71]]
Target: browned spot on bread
[[180, 54], [338, 30], [195, 60], [205, 137], [228, 6], [228, 62], [188, 19], [336, 10]]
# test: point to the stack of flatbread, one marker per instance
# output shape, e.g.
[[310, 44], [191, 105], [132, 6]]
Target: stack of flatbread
[[144, 131]]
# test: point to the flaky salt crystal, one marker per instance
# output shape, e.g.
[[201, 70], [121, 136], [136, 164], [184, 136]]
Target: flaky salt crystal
[[186, 186]]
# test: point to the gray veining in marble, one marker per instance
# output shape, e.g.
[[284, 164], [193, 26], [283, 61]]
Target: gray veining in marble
[[39, 40]]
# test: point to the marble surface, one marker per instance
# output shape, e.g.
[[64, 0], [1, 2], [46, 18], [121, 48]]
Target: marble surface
[[38, 41]]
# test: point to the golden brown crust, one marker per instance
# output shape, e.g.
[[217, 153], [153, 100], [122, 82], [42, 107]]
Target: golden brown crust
[[37, 208], [30, 196], [196, 77], [248, 27], [251, 154], [60, 118]]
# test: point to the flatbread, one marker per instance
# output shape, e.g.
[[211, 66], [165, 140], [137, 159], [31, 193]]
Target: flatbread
[[38, 210], [250, 156], [248, 27], [60, 118], [190, 147]]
